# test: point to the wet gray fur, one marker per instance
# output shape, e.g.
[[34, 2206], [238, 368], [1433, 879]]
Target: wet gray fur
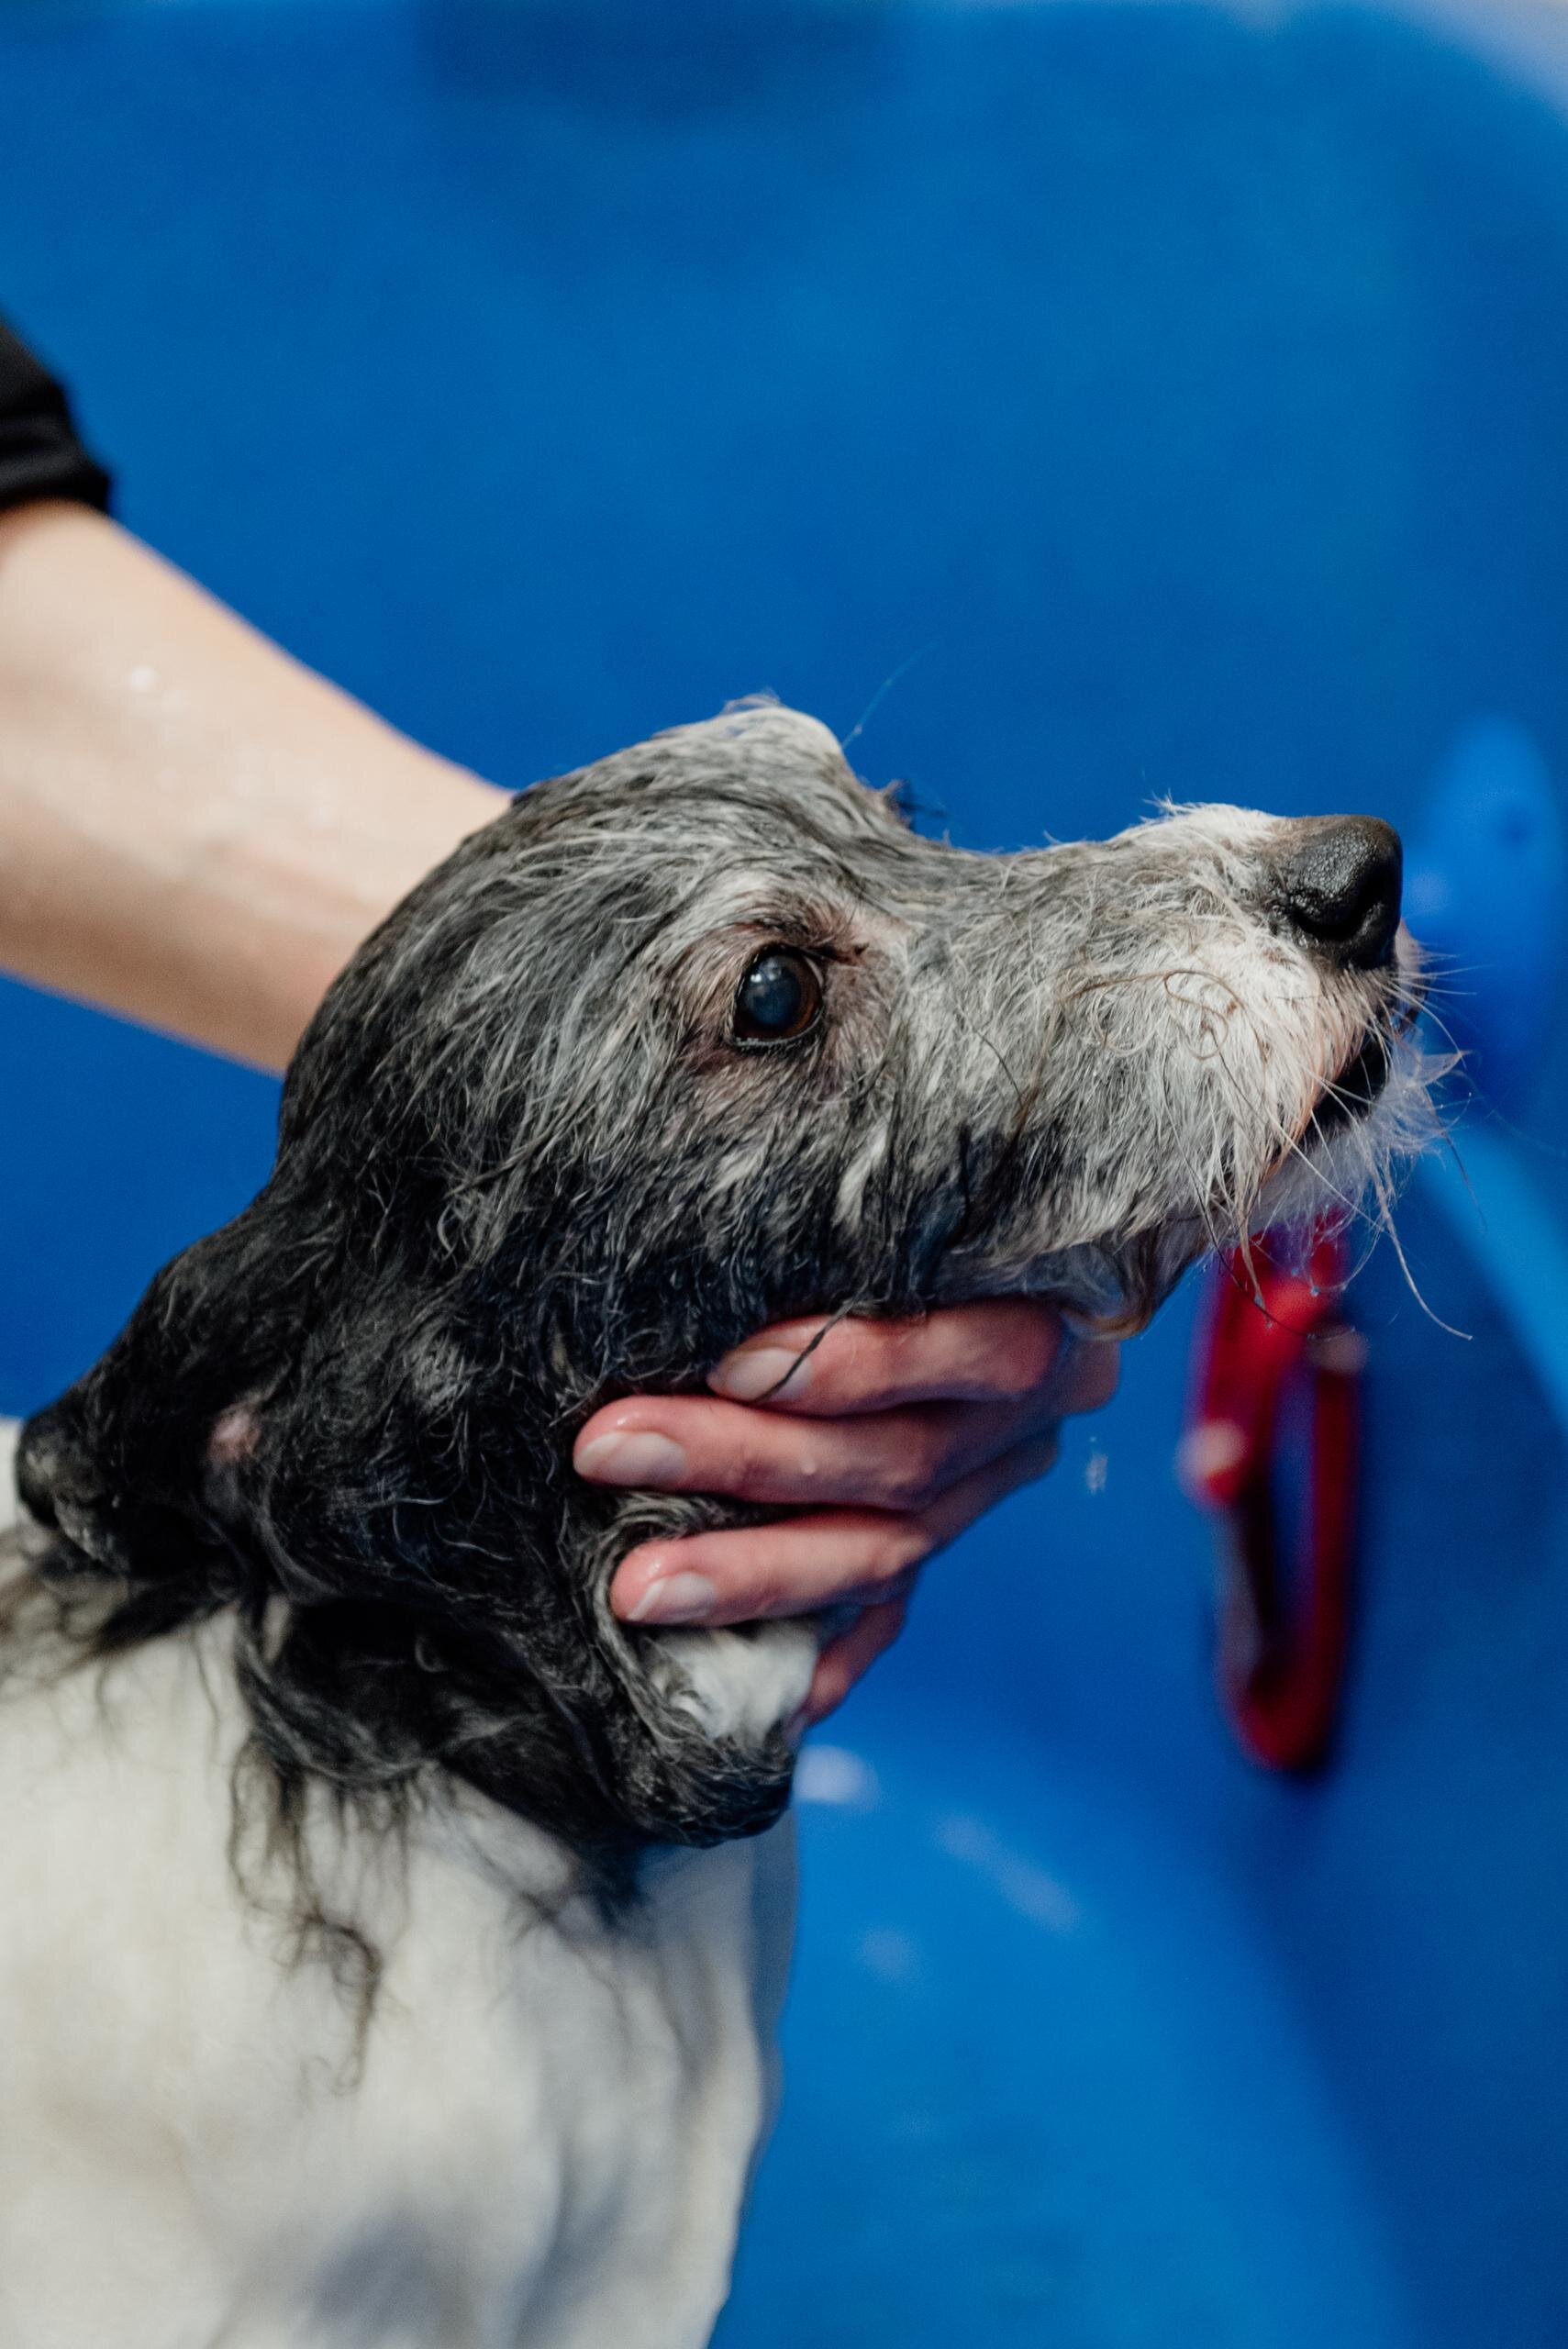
[[524, 1166]]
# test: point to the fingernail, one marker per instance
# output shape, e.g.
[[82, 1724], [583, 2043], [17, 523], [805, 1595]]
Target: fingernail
[[638, 1458], [756, 1371], [675, 1599]]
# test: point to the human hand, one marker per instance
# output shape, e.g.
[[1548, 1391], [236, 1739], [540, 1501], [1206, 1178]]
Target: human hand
[[893, 1435]]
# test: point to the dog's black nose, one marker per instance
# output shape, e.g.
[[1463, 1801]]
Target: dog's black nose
[[1339, 884]]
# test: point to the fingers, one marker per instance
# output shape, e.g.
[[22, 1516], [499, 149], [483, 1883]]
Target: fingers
[[897, 1460], [892, 1436], [997, 1351], [741, 1574], [902, 1458]]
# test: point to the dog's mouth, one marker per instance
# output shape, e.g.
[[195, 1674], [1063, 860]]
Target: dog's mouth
[[1346, 1098], [1358, 1083]]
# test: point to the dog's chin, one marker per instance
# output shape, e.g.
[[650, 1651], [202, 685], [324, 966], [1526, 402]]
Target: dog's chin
[[742, 1684]]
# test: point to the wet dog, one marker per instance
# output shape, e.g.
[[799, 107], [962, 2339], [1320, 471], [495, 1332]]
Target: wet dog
[[391, 1937]]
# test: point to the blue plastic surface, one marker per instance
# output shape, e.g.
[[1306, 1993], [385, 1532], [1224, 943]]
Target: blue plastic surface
[[1486, 892], [1169, 402]]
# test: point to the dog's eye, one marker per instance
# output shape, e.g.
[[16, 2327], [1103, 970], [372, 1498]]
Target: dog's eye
[[779, 997]]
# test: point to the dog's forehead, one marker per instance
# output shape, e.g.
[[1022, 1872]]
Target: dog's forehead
[[761, 737], [756, 764]]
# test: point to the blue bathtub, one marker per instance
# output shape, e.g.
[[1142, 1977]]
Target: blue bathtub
[[1089, 402]]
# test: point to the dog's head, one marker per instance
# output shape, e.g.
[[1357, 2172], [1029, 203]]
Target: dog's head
[[698, 1037]]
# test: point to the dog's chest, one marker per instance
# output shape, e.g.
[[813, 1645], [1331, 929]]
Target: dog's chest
[[563, 2117], [558, 2123], [546, 2142]]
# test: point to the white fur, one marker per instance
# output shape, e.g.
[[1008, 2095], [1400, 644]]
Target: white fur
[[739, 1683], [549, 2138]]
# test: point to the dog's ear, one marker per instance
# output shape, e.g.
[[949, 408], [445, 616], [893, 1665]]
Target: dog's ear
[[293, 1413], [133, 1467]]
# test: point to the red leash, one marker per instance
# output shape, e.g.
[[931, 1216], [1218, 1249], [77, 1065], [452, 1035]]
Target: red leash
[[1276, 1343]]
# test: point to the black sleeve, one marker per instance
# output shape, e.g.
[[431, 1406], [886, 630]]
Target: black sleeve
[[40, 453]]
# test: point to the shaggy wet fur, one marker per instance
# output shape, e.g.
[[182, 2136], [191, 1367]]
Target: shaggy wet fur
[[525, 1165]]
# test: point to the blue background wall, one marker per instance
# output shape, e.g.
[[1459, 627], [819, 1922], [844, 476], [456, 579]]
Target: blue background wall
[[1163, 403]]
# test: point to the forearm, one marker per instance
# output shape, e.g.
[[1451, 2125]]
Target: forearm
[[194, 830]]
